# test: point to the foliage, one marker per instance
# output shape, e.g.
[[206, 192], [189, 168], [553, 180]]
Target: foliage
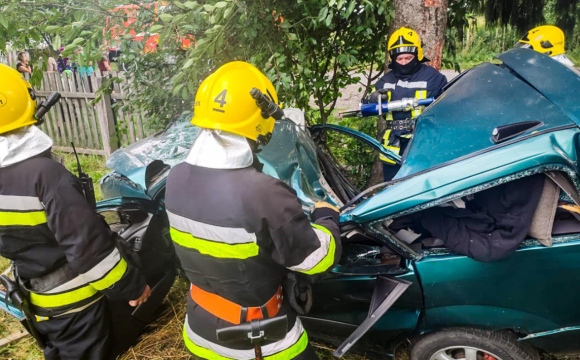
[[480, 43], [307, 48], [353, 157]]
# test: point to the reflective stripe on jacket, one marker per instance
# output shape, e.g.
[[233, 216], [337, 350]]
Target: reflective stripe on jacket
[[237, 232], [46, 225]]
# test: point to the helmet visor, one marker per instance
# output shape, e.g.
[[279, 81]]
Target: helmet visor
[[403, 50], [522, 45]]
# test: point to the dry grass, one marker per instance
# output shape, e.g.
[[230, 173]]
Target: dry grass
[[164, 339]]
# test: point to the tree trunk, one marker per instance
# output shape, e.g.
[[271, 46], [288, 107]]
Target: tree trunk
[[429, 19], [377, 171]]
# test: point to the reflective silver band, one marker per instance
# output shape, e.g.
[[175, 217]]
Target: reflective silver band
[[20, 203], [317, 255], [97, 272], [412, 84], [209, 232]]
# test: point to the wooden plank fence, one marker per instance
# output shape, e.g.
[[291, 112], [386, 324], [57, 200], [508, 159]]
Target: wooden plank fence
[[96, 127]]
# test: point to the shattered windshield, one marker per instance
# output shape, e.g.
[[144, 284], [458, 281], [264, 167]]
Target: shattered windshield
[[289, 156], [169, 146]]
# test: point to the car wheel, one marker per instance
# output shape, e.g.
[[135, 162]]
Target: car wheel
[[471, 344]]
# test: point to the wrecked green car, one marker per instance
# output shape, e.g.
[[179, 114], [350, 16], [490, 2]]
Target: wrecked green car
[[494, 124]]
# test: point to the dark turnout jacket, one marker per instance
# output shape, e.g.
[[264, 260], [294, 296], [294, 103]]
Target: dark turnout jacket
[[493, 224], [237, 233], [47, 225], [427, 81]]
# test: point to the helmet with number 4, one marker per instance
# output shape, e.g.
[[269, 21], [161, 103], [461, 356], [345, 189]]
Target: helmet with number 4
[[223, 101], [17, 101], [546, 39]]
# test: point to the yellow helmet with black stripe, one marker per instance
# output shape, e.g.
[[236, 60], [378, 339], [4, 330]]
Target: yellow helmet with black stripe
[[405, 40]]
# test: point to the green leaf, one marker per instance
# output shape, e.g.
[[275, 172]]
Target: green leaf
[[221, 4], [176, 89], [227, 12], [56, 43], [48, 28], [381, 10], [292, 36], [350, 8], [208, 7], [166, 17], [191, 4], [78, 40], [329, 19], [187, 64], [155, 28], [332, 2], [322, 14], [3, 21]]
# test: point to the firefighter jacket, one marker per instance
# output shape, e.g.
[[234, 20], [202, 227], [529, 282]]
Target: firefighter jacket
[[237, 233], [63, 252], [424, 83]]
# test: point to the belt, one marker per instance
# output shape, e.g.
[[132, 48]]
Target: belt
[[405, 124], [232, 312]]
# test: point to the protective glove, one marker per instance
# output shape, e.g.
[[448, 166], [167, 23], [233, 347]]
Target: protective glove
[[298, 292], [374, 97]]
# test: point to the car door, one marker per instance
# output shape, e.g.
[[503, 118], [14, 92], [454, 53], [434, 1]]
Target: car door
[[355, 289]]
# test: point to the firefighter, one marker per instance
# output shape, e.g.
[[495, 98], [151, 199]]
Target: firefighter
[[549, 40], [237, 231], [409, 78], [64, 256]]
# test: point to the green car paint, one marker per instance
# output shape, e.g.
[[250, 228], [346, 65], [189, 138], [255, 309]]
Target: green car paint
[[452, 154]]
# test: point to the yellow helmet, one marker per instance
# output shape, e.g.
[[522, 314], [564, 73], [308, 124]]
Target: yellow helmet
[[405, 40], [17, 101], [546, 39], [223, 101]]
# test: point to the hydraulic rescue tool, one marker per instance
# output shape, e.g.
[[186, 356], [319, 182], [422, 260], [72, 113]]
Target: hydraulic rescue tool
[[86, 182], [268, 107], [44, 106], [380, 108]]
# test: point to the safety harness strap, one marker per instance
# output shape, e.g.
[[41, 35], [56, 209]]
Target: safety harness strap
[[230, 311]]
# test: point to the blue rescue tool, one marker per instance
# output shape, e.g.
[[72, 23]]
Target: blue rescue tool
[[375, 109]]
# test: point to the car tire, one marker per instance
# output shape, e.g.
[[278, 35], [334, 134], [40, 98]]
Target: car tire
[[471, 344]]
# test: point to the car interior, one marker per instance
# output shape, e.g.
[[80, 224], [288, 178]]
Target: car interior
[[556, 217]]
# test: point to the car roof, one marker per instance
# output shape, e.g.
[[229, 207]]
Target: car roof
[[452, 148]]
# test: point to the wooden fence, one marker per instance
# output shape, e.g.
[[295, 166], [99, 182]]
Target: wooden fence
[[96, 127]]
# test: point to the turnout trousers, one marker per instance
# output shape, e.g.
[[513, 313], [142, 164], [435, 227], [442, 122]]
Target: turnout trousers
[[80, 336]]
